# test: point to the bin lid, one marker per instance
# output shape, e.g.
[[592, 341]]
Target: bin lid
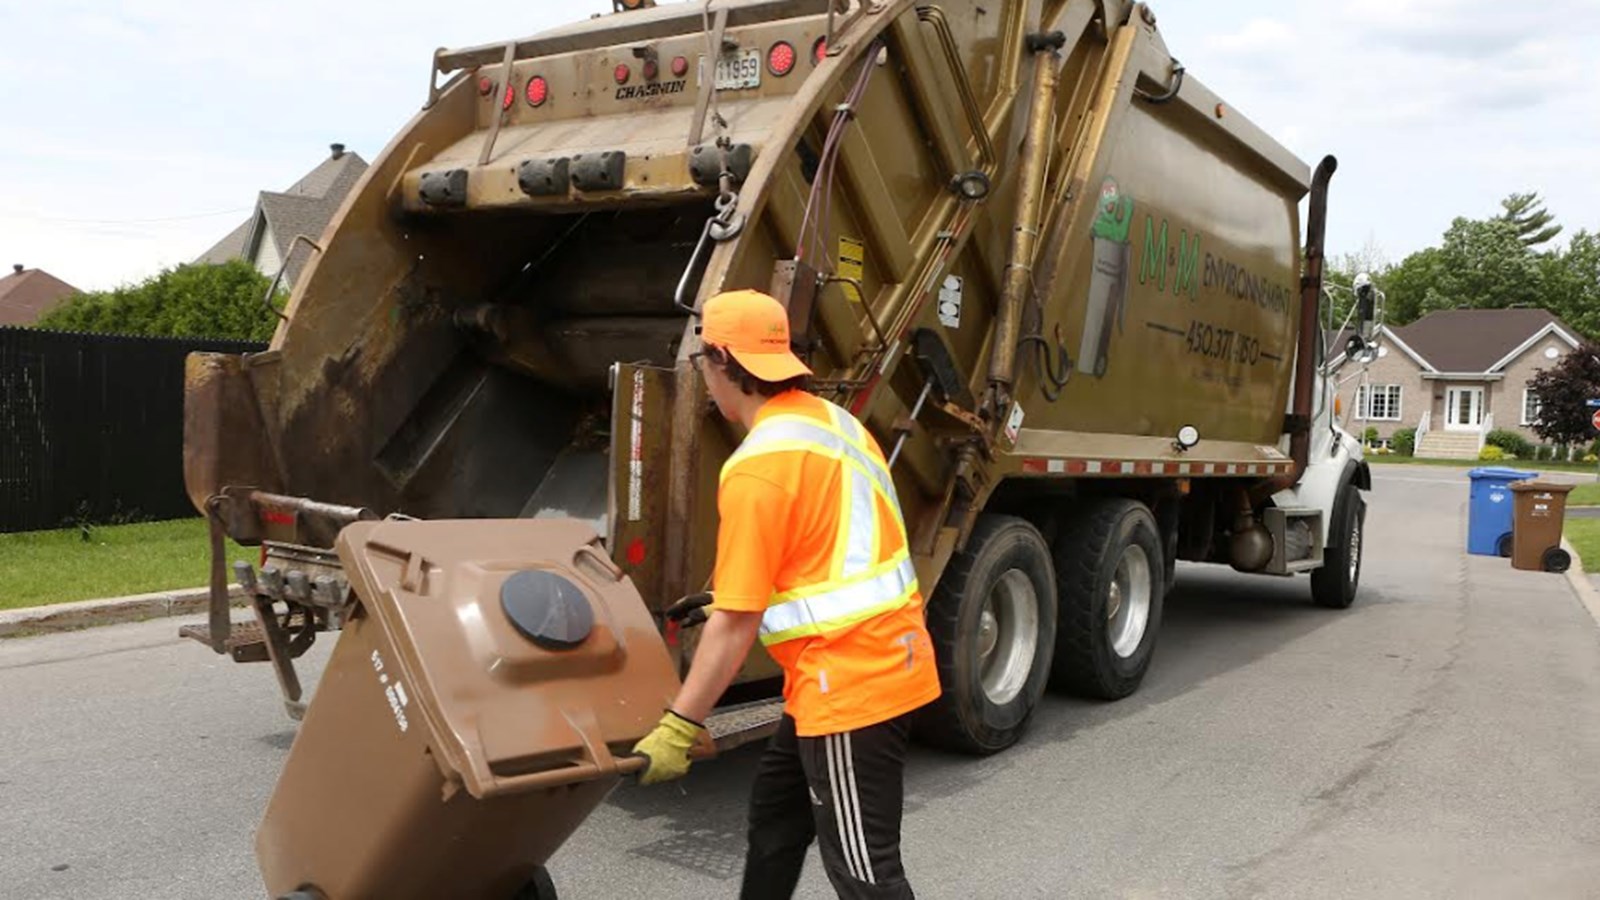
[[1549, 487], [529, 655], [1500, 473]]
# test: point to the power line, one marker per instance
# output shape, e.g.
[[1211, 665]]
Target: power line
[[58, 221]]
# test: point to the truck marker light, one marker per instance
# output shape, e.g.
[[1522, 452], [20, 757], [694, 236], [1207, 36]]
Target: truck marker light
[[538, 91], [485, 86], [652, 70], [623, 73], [636, 552], [780, 59], [819, 50], [509, 98], [680, 66]]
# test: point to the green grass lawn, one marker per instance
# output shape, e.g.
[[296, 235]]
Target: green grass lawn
[[42, 567], [1523, 464], [1584, 535]]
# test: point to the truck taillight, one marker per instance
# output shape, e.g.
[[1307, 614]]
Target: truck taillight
[[623, 73], [680, 66], [819, 50], [538, 91], [509, 98], [780, 59], [485, 86]]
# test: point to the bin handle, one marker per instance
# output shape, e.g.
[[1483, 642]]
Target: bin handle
[[601, 763]]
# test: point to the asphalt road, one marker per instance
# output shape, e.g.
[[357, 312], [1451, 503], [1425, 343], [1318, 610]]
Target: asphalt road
[[1441, 739]]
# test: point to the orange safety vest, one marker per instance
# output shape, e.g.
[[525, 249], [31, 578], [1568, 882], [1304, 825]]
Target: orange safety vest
[[850, 636]]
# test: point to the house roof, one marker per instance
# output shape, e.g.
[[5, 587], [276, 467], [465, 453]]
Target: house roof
[[26, 294], [305, 208], [1477, 340]]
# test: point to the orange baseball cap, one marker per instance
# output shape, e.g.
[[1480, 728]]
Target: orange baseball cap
[[754, 328]]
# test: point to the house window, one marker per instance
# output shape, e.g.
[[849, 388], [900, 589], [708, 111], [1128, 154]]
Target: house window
[[1530, 408], [1378, 403]]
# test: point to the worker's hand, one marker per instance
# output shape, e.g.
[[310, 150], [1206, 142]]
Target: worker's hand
[[690, 611], [667, 748]]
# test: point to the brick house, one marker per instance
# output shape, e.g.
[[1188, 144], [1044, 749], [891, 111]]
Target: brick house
[[1453, 375]]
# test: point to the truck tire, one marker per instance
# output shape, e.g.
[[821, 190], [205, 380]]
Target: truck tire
[[993, 627], [540, 887], [1111, 565], [1334, 585]]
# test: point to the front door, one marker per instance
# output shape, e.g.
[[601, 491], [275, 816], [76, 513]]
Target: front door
[[1463, 409]]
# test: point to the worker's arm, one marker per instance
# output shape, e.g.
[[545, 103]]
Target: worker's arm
[[750, 541], [724, 643]]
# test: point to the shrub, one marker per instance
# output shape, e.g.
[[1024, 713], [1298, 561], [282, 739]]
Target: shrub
[[1491, 453], [1515, 445], [1370, 437], [1404, 441]]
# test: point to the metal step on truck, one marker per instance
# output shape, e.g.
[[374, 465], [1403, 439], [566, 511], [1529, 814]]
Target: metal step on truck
[[1063, 283]]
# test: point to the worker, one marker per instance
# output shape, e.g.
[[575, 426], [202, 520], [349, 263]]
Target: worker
[[812, 556]]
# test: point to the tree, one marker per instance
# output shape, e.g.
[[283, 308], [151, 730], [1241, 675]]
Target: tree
[[1527, 214], [1564, 391], [1571, 281], [201, 300], [1406, 285], [1483, 264]]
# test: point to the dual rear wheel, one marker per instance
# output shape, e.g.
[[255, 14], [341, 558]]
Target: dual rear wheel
[[1013, 615]]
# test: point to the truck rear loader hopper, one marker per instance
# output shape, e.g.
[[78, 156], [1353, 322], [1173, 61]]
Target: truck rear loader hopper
[[1060, 281]]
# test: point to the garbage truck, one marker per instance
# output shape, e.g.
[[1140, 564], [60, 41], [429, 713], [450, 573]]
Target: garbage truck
[[1065, 286]]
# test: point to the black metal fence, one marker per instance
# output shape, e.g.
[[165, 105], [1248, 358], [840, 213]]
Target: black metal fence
[[91, 427]]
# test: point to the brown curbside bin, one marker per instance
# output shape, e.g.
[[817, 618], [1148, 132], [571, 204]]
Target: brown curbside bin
[[479, 705], [1539, 513]]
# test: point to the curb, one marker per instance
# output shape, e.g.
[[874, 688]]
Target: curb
[[113, 611], [1579, 579]]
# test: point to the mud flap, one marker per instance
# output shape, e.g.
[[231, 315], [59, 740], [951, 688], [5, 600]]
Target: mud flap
[[483, 700]]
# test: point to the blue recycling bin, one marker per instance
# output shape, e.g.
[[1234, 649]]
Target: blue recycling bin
[[1489, 511]]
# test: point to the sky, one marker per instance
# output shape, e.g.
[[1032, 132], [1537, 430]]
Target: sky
[[138, 133]]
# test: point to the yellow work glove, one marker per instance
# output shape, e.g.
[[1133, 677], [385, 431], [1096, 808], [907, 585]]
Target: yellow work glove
[[667, 748]]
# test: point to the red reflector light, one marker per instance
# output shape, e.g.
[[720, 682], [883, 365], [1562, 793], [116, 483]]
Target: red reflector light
[[636, 552], [819, 51], [780, 59], [623, 73], [485, 86], [680, 67], [509, 98], [538, 91]]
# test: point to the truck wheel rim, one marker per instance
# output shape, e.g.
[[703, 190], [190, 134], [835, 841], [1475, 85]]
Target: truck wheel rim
[[1355, 549], [1008, 636], [1128, 607]]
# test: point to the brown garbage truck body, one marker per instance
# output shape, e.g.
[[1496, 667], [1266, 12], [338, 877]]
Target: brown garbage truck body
[[1064, 285]]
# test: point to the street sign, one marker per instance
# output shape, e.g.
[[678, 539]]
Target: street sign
[[1594, 403], [1595, 420]]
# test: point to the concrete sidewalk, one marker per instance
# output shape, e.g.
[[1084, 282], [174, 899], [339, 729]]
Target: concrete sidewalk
[[111, 611]]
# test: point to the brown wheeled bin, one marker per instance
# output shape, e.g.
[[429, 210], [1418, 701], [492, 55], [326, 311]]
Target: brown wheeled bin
[[478, 706], [1538, 515]]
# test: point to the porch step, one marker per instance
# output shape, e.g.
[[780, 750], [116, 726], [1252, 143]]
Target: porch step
[[1448, 445]]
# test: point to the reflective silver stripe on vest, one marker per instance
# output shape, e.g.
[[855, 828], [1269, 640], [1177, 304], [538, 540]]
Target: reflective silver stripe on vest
[[862, 526], [817, 612], [776, 430]]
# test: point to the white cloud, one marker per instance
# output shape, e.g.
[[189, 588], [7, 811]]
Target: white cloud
[[154, 109]]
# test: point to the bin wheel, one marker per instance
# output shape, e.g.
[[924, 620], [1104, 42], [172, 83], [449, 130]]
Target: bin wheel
[[1504, 547], [539, 887], [1557, 560], [304, 894], [993, 623]]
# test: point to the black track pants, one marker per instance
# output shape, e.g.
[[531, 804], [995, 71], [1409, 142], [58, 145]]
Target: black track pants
[[847, 790]]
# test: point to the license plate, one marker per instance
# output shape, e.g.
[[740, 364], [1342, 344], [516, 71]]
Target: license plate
[[738, 72]]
